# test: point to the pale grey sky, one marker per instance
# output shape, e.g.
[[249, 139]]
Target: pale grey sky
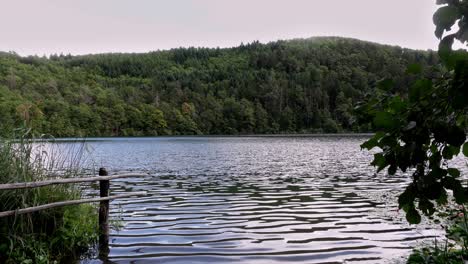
[[94, 26]]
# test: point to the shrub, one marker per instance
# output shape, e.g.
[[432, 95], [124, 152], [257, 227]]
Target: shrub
[[49, 235]]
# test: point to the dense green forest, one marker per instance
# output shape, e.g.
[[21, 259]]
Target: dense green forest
[[297, 86]]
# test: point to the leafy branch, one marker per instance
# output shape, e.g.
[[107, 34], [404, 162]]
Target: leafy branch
[[422, 131]]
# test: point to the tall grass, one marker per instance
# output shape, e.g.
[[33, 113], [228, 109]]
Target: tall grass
[[50, 235], [451, 250]]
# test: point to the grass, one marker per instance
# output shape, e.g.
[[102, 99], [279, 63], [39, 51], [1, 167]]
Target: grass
[[49, 236], [453, 249]]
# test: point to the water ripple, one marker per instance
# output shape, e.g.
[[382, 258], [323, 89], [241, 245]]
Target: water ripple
[[253, 200]]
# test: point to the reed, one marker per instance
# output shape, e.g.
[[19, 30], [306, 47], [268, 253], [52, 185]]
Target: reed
[[50, 235]]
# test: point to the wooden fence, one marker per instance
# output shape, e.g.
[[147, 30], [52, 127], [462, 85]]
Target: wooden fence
[[104, 184]]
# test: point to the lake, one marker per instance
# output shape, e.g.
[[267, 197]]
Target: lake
[[253, 200]]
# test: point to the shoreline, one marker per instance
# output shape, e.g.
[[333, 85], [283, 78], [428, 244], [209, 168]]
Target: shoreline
[[211, 136]]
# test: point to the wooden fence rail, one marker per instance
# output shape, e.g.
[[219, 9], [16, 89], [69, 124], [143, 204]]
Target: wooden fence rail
[[65, 203], [103, 200], [26, 185]]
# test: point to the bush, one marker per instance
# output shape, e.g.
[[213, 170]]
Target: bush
[[49, 235], [452, 250]]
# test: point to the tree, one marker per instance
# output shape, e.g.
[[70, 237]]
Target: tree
[[153, 121], [285, 86], [261, 119], [343, 110], [421, 131]]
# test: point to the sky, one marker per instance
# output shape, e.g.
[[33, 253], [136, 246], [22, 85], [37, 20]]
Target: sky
[[44, 27]]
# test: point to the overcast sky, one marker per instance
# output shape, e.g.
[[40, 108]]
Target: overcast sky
[[96, 26]]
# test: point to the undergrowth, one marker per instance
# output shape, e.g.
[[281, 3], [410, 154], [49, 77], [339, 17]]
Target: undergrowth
[[49, 236], [451, 250]]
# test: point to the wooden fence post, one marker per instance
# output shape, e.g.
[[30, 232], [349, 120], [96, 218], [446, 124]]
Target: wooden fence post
[[103, 216]]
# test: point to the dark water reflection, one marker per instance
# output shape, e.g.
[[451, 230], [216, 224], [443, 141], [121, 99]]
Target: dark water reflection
[[252, 200]]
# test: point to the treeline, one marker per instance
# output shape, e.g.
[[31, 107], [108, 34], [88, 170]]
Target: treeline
[[297, 86]]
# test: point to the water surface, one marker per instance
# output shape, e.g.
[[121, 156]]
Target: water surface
[[252, 200]]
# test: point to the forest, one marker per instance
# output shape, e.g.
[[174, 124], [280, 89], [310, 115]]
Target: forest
[[294, 86]]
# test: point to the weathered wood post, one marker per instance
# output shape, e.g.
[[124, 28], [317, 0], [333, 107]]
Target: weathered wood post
[[103, 216]]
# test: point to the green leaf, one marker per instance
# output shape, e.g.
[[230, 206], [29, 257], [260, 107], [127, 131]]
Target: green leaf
[[443, 198], [455, 149], [439, 31], [444, 18], [406, 199], [445, 51], [460, 195], [369, 144], [419, 89], [457, 188], [426, 206], [414, 68], [412, 216], [453, 172], [397, 104], [379, 161], [465, 149], [373, 141], [384, 120], [389, 140], [450, 151], [438, 173]]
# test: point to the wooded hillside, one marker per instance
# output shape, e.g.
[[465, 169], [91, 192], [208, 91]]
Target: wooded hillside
[[296, 86]]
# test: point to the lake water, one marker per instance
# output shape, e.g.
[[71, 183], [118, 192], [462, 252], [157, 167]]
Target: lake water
[[252, 200]]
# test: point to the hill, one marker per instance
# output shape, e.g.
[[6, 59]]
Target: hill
[[295, 86]]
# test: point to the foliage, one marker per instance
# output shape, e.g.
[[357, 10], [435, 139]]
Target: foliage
[[455, 247], [295, 86], [49, 235], [66, 240], [422, 130], [436, 255]]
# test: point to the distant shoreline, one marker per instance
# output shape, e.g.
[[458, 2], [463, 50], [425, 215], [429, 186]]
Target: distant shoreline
[[213, 136]]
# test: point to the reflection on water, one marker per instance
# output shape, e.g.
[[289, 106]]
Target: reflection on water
[[251, 200]]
